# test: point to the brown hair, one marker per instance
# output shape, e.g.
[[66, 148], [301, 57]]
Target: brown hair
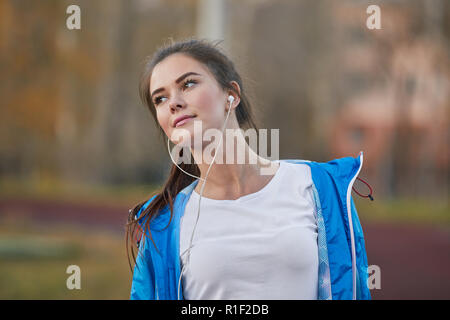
[[224, 72]]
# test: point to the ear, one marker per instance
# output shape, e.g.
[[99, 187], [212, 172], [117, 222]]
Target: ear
[[236, 93]]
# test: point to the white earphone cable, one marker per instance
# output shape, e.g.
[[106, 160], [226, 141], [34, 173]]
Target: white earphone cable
[[230, 99]]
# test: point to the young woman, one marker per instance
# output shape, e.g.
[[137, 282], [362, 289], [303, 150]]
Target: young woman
[[268, 229]]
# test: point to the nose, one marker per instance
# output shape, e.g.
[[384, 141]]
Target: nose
[[176, 104]]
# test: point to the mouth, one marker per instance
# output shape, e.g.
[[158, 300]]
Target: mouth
[[182, 120]]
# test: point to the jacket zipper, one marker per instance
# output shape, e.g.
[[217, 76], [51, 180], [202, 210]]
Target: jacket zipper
[[350, 222]]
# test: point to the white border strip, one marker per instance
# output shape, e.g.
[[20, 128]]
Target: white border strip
[[350, 222]]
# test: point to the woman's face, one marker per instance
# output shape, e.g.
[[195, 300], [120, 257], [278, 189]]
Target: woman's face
[[182, 86]]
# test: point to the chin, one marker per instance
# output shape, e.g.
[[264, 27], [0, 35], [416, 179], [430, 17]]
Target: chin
[[182, 137]]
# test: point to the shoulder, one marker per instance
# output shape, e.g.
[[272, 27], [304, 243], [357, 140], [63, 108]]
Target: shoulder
[[296, 172], [145, 206], [338, 168], [165, 215], [335, 173], [156, 219]]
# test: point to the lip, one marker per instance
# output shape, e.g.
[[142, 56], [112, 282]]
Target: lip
[[182, 120]]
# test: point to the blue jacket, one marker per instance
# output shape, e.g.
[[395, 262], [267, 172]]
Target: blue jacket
[[342, 254]]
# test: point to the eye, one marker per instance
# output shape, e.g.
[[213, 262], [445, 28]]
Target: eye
[[185, 84], [157, 100]]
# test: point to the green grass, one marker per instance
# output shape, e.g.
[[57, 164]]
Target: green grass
[[34, 263], [68, 192], [34, 258], [405, 211]]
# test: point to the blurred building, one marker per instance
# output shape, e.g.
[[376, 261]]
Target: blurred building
[[394, 97]]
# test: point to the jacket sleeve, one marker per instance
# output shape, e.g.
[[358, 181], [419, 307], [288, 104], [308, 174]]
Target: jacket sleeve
[[143, 284], [362, 290]]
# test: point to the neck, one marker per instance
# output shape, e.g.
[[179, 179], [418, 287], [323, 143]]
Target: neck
[[244, 173]]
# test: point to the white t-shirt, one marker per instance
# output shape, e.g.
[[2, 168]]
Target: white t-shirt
[[260, 246]]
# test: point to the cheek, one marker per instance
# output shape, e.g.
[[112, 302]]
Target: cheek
[[209, 107], [177, 136]]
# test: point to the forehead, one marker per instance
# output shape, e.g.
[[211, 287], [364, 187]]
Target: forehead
[[169, 69]]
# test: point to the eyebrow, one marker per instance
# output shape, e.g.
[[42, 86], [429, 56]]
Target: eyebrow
[[177, 81]]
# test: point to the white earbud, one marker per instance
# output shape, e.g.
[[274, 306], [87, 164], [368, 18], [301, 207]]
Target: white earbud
[[230, 99]]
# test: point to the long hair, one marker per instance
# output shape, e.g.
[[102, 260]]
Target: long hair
[[224, 72]]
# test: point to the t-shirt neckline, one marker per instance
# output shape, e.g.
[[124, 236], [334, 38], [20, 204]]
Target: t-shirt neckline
[[250, 196]]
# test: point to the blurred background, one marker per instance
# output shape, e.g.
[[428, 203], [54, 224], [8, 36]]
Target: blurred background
[[78, 149]]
